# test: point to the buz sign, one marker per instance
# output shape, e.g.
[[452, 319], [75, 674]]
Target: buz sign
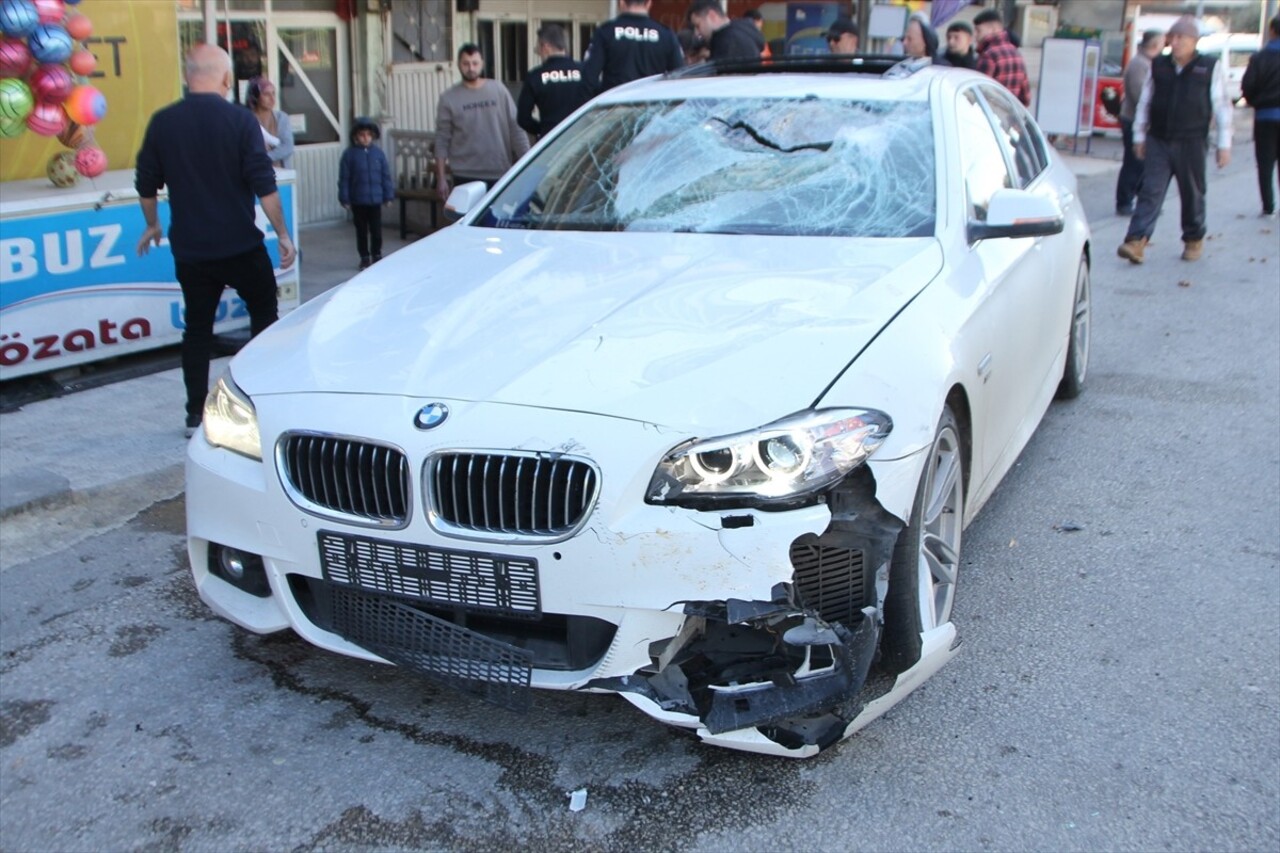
[[73, 288]]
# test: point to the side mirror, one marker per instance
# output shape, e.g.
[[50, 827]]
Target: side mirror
[[1018, 213], [462, 199]]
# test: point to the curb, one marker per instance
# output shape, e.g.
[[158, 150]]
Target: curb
[[41, 489]]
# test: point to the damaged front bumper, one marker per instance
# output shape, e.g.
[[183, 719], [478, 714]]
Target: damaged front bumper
[[759, 676], [757, 629], [768, 666], [806, 736]]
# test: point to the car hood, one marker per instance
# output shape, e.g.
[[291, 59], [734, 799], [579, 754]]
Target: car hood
[[692, 331]]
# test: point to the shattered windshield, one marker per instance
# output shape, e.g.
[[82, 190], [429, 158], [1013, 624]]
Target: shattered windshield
[[802, 166]]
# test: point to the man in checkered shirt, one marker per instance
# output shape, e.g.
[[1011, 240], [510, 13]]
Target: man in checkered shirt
[[998, 57]]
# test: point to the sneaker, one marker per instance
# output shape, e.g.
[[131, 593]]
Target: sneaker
[[1124, 210], [365, 262], [1192, 250], [193, 424], [377, 258], [1132, 250]]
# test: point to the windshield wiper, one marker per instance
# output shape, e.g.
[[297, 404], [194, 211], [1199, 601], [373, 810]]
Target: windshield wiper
[[768, 143]]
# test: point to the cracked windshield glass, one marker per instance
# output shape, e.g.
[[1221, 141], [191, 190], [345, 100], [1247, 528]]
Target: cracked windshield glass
[[770, 166]]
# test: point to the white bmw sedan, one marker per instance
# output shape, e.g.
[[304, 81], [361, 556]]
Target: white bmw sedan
[[693, 406]]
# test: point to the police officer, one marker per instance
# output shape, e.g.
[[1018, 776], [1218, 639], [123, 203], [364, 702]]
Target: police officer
[[629, 47], [557, 87]]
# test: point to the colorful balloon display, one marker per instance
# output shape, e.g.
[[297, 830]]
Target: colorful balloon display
[[50, 11], [83, 62], [15, 58], [50, 43], [18, 17], [79, 26], [62, 169], [16, 99], [85, 105], [51, 83], [74, 135], [91, 161], [43, 66], [46, 119]]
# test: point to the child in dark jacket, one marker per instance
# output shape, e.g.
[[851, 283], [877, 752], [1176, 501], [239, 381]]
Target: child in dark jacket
[[364, 185]]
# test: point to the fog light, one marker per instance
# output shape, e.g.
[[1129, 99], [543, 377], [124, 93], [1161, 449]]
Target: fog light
[[240, 569], [232, 562]]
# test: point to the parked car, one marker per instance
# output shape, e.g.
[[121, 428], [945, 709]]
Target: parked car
[[692, 407]]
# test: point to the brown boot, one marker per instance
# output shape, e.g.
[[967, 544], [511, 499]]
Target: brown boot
[[1192, 250], [1131, 250]]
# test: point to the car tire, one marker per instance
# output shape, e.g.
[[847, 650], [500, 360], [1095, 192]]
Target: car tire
[[1078, 341], [926, 557]]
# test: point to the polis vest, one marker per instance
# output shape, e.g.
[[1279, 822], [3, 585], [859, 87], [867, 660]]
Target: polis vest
[[1181, 106]]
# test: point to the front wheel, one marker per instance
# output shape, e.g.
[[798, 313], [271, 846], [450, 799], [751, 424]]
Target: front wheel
[[1077, 366], [926, 558]]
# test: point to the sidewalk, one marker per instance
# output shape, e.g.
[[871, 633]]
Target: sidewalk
[[126, 437], [124, 440]]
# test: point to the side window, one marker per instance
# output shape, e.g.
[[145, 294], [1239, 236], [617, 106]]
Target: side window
[[1020, 142], [981, 157]]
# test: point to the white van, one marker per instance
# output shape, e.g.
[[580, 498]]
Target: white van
[[1235, 49]]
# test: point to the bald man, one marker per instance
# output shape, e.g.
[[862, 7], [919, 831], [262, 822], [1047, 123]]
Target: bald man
[[210, 154]]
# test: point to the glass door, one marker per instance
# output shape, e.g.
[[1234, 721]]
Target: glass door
[[309, 81], [302, 53], [505, 45]]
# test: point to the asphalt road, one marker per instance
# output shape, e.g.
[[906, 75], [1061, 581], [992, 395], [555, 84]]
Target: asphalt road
[[1118, 685]]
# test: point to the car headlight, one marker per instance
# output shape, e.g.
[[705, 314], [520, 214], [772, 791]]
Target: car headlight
[[230, 420], [784, 462]]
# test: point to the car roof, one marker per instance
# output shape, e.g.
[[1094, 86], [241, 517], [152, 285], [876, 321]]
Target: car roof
[[836, 77]]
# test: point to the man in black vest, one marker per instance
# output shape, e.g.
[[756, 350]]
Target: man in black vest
[[556, 87], [1186, 92], [629, 47]]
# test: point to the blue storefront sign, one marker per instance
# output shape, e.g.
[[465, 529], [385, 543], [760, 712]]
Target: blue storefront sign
[[73, 288]]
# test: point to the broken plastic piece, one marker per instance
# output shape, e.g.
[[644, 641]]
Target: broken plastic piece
[[578, 800], [811, 632], [738, 709]]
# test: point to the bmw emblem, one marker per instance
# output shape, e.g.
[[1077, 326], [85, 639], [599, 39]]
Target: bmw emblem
[[431, 416]]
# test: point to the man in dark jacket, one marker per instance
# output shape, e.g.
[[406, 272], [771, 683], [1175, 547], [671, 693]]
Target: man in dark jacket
[[1261, 88], [210, 155], [629, 47], [1185, 94], [960, 52], [728, 39], [556, 88]]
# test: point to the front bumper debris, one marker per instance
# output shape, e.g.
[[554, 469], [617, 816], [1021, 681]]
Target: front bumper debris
[[767, 665]]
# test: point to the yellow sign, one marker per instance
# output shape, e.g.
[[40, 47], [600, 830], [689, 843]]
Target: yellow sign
[[136, 44]]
